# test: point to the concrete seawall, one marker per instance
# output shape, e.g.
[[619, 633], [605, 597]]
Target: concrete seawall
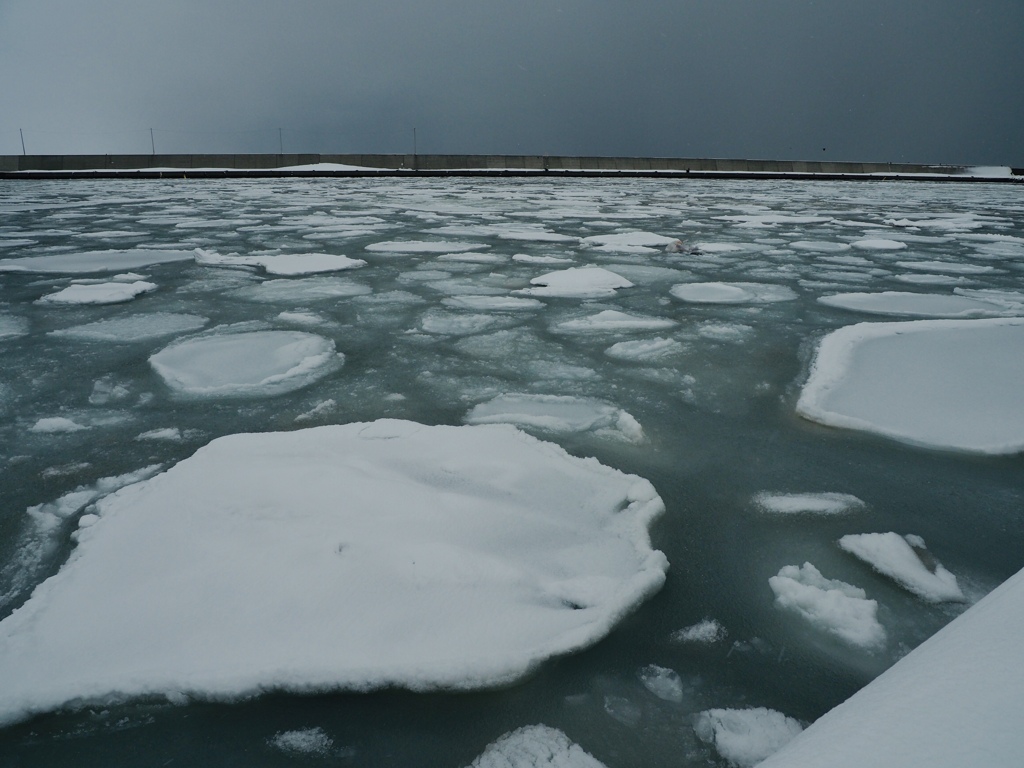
[[195, 166]]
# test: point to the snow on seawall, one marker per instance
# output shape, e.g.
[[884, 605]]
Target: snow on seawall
[[355, 557]]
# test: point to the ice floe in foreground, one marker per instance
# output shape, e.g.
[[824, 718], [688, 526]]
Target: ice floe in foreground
[[99, 293], [578, 283], [535, 746], [937, 383], [745, 737], [832, 606], [955, 700], [557, 415], [254, 363], [732, 293], [407, 555], [905, 560], [807, 503], [93, 261], [915, 304]]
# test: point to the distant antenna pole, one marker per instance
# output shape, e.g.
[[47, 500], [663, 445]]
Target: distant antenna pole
[[152, 141], [22, 134], [414, 162], [280, 140]]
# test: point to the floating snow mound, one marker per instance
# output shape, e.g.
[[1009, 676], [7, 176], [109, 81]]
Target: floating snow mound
[[93, 261], [257, 363], [356, 556], [98, 293], [629, 242], [955, 700], [577, 283], [535, 746], [614, 321], [835, 607], [300, 291], [558, 415], [732, 293], [905, 560], [146, 325], [423, 246], [645, 350], [705, 632], [12, 326], [283, 264], [492, 303], [745, 737], [915, 304], [308, 741], [935, 383], [879, 244], [807, 503], [663, 682]]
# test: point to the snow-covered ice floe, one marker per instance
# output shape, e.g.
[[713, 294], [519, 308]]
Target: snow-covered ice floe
[[905, 560], [291, 264], [953, 701], [492, 303], [645, 350], [704, 632], [139, 327], [558, 415], [732, 293], [663, 682], [254, 363], [93, 261], [612, 320], [832, 606], [629, 242], [941, 305], [745, 737], [423, 246], [355, 556], [98, 293], [827, 503], [535, 746], [577, 283], [937, 383], [301, 290]]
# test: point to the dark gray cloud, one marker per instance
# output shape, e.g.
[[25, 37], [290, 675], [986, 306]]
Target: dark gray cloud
[[903, 80]]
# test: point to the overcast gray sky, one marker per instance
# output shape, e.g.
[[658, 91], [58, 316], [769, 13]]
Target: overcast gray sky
[[885, 80]]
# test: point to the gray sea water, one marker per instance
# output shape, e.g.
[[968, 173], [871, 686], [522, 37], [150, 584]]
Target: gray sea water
[[718, 415]]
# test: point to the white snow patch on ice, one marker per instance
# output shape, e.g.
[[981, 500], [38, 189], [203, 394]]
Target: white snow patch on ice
[[914, 304], [557, 415], [577, 282], [745, 737], [451, 557], [937, 383], [535, 746], [645, 350], [827, 503], [732, 293], [905, 560], [832, 606], [98, 293]]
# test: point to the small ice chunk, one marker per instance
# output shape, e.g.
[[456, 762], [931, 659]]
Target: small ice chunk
[[459, 324], [93, 261], [423, 246], [302, 318], [905, 560], [629, 242], [317, 411], [705, 632], [732, 293], [306, 741], [299, 291], [577, 282], [745, 737], [819, 246], [492, 303], [526, 258], [623, 710], [139, 327], [663, 682], [292, 264], [827, 503], [55, 425], [169, 434], [554, 414], [733, 332], [535, 746], [645, 350], [255, 363], [108, 390], [12, 326], [835, 607], [915, 304], [98, 293], [879, 244], [469, 257], [612, 320]]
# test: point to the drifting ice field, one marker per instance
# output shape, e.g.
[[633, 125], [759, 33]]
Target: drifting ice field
[[452, 472]]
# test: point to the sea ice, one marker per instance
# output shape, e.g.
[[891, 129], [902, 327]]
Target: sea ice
[[492, 303], [954, 267], [171, 434], [578, 283], [460, 324], [705, 632], [307, 741], [629, 242], [254, 363], [408, 555], [56, 424], [745, 737], [303, 290], [879, 244], [12, 326], [291, 264], [423, 246], [732, 293], [613, 321], [555, 414], [835, 607], [663, 682], [645, 350], [905, 560], [535, 746], [827, 503], [622, 710], [914, 304], [145, 325], [819, 246], [93, 261], [936, 383], [98, 293]]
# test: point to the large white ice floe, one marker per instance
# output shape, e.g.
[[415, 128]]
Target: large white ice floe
[[93, 261], [745, 737], [558, 415], [98, 293], [578, 283], [905, 560], [535, 746], [613, 321], [629, 242], [937, 383], [355, 557], [955, 700], [291, 264], [732, 293], [824, 503], [138, 327], [832, 606], [254, 363], [941, 305]]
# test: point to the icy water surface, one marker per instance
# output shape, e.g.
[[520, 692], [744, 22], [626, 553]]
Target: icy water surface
[[687, 378]]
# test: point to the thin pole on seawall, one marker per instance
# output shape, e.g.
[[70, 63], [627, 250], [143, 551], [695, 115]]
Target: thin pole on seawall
[[280, 141], [152, 141], [22, 134]]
